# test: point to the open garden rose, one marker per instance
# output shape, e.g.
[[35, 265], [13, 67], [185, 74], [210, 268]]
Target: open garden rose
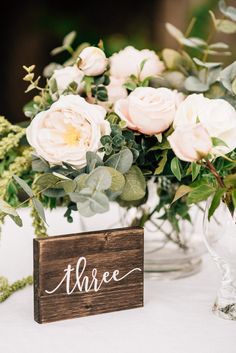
[[65, 76], [148, 110], [191, 142], [127, 62], [66, 131], [216, 115], [93, 61]]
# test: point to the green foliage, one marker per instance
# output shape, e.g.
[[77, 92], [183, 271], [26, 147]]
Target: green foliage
[[135, 185]]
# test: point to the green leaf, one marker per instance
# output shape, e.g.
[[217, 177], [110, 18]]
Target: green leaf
[[88, 204], [121, 161], [17, 220], [219, 45], [118, 180], [55, 193], [7, 209], [228, 75], [135, 185], [39, 208], [195, 170], [81, 181], [99, 202], [69, 38], [174, 32], [172, 58], [230, 180], [216, 141], [161, 163], [39, 165], [229, 11], [99, 179], [215, 202], [93, 160], [47, 181], [206, 64], [193, 84], [57, 50], [181, 191], [24, 185], [130, 86], [200, 193], [234, 197], [68, 185], [175, 168], [143, 62], [225, 26]]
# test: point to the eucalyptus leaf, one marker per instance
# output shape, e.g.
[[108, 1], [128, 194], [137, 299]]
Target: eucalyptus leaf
[[47, 181], [229, 11], [171, 58], [68, 185], [39, 165], [7, 209], [17, 220], [174, 32], [57, 50], [206, 64], [93, 160], [99, 179], [39, 208], [193, 84], [69, 38], [24, 185], [228, 75], [118, 180], [121, 161], [218, 45], [135, 185], [55, 193], [225, 26]]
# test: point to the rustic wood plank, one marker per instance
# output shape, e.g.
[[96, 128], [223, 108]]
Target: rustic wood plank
[[88, 273]]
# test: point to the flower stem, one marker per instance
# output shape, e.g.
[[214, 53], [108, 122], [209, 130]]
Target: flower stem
[[212, 169]]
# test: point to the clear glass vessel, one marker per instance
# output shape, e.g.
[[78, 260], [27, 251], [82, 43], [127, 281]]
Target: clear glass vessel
[[169, 254], [220, 239]]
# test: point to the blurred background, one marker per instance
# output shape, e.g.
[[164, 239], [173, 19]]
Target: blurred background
[[31, 29]]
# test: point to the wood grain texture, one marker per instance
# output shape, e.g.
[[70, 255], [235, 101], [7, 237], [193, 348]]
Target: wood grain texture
[[105, 251]]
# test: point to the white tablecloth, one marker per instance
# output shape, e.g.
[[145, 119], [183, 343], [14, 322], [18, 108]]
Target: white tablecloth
[[176, 317]]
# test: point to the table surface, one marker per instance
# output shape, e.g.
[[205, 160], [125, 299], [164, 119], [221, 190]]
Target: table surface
[[176, 317]]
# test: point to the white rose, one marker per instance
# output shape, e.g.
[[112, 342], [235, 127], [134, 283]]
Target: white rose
[[191, 142], [148, 110], [216, 115], [65, 76], [116, 90], [127, 62], [93, 61], [66, 131]]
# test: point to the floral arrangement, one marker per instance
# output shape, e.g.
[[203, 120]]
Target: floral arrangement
[[101, 128]]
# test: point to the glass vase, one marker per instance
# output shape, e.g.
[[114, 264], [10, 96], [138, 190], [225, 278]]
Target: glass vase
[[220, 239], [171, 254]]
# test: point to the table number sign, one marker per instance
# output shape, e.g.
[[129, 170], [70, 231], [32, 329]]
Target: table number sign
[[84, 274]]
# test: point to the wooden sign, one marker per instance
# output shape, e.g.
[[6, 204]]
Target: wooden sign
[[88, 273]]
